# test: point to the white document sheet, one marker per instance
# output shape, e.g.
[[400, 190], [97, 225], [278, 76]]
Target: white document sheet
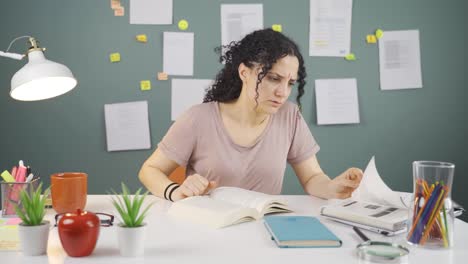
[[239, 20], [127, 126], [151, 12], [373, 189], [330, 27], [178, 53], [400, 60], [337, 101], [186, 93]]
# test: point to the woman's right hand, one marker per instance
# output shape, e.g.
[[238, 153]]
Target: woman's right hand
[[193, 185]]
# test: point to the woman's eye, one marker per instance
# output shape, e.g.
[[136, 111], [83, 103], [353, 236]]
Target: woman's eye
[[274, 79]]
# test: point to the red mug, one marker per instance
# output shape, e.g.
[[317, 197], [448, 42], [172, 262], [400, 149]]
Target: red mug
[[68, 191], [79, 231]]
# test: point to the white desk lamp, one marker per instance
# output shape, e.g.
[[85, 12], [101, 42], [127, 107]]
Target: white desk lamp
[[40, 78]]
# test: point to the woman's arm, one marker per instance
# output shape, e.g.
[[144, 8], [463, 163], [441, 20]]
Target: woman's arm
[[154, 173], [154, 176], [316, 182]]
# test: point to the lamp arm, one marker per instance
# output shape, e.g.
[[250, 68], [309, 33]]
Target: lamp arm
[[11, 55], [15, 56]]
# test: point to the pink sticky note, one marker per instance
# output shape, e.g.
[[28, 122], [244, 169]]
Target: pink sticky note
[[13, 221]]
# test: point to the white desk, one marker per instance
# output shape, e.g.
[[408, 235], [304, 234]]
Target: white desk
[[176, 241]]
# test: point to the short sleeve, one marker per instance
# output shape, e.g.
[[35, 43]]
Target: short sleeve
[[303, 145], [179, 142]]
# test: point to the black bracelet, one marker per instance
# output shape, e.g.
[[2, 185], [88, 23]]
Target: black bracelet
[[170, 193], [167, 187]]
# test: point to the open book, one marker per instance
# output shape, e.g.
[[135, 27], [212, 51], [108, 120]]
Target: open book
[[373, 206], [226, 206]]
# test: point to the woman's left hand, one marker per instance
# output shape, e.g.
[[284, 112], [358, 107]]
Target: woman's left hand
[[343, 185]]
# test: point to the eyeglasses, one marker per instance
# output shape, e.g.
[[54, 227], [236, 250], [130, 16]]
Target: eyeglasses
[[105, 220]]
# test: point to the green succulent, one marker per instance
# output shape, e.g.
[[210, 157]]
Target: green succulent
[[128, 208], [32, 210]]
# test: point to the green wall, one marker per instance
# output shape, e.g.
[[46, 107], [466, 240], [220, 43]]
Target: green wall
[[68, 133]]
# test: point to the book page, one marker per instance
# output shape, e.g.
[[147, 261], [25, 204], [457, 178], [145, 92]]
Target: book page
[[373, 189], [391, 218], [210, 212], [262, 203]]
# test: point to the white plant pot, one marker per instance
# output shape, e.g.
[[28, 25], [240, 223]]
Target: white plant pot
[[131, 240], [33, 239]]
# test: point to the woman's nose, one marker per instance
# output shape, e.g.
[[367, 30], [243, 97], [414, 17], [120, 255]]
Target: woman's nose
[[282, 89]]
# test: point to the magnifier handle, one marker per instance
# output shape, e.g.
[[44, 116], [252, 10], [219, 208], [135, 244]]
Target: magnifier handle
[[360, 234]]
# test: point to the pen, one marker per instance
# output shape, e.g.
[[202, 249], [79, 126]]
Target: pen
[[21, 172], [13, 172], [30, 177]]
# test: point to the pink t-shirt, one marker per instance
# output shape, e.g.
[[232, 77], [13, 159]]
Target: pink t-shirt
[[199, 141]]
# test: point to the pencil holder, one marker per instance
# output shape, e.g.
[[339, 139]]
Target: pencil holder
[[11, 196], [431, 217]]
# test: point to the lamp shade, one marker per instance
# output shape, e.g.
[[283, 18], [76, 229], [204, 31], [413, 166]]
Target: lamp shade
[[41, 79]]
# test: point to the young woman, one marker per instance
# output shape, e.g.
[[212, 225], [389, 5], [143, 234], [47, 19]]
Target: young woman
[[246, 129]]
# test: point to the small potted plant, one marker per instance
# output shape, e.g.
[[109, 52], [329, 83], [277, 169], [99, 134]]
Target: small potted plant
[[33, 230], [131, 231]]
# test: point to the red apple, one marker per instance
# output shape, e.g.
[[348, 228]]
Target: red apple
[[79, 232]]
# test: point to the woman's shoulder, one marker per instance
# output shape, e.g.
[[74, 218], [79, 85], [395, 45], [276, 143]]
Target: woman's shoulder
[[200, 109], [288, 109]]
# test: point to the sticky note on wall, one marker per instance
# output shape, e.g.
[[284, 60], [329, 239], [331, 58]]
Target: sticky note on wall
[[142, 38], [115, 4], [379, 33], [162, 76], [350, 57], [119, 11], [371, 39], [145, 85], [114, 57], [277, 27], [183, 24]]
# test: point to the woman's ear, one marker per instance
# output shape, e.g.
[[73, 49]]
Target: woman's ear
[[244, 72]]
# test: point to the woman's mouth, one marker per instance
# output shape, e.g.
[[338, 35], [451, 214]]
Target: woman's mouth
[[275, 103]]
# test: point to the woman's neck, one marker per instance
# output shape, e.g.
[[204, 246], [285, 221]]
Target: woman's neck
[[243, 112]]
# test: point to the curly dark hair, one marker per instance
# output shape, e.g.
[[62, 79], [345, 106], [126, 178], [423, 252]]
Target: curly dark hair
[[262, 47]]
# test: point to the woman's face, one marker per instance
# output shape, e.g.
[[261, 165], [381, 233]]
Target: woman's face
[[275, 87]]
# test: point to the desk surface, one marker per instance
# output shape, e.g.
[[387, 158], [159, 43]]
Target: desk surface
[[177, 241]]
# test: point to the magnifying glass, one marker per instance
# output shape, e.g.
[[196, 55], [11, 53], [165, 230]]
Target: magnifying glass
[[377, 251]]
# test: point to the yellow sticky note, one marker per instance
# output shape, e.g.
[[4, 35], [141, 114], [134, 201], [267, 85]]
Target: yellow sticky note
[[119, 11], [7, 176], [371, 39], [9, 238], [114, 57], [350, 57], [162, 76], [115, 4], [277, 27], [379, 33], [142, 38], [145, 85], [183, 24]]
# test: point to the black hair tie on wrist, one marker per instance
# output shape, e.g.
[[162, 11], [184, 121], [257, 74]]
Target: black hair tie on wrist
[[170, 193], [167, 187]]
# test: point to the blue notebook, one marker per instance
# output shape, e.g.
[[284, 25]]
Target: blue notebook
[[300, 231]]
